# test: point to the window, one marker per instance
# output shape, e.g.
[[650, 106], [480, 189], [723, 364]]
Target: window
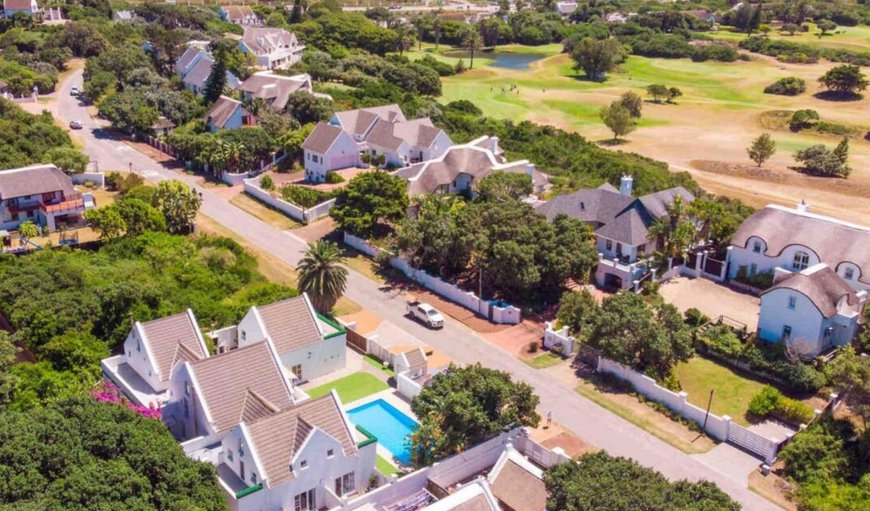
[[304, 501], [187, 388], [345, 484], [792, 302], [297, 370], [756, 246], [244, 335], [786, 332], [230, 455], [801, 261], [253, 478], [330, 453], [753, 268], [849, 273], [186, 409], [582, 206], [303, 464], [138, 345], [608, 244], [241, 449]]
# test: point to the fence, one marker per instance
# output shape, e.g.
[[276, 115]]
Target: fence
[[96, 178], [496, 313], [252, 188], [553, 338], [720, 428], [406, 386]]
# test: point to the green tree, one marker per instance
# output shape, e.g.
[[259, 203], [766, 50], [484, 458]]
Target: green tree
[[817, 453], [803, 119], [217, 79], [139, 216], [762, 148], [77, 352], [463, 405], [504, 185], [596, 57], [322, 275], [845, 80], [645, 337], [850, 373], [577, 310], [632, 102], [68, 159], [107, 221], [618, 119], [842, 150], [658, 91], [179, 204], [8, 381], [28, 229], [292, 141], [370, 202], [673, 93], [819, 160], [826, 26], [471, 42]]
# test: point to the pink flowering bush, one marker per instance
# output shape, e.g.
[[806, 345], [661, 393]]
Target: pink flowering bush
[[110, 393]]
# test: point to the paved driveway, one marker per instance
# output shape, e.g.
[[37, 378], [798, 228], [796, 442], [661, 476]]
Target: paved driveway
[[712, 299], [582, 417]]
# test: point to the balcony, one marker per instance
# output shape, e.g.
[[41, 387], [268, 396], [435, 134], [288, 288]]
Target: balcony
[[74, 203]]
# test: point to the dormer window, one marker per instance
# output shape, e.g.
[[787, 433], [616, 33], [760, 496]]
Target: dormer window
[[330, 453], [582, 206], [801, 261], [849, 273], [756, 246], [792, 302]]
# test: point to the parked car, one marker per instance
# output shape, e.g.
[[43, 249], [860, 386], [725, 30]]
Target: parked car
[[425, 313], [74, 91], [76, 125]]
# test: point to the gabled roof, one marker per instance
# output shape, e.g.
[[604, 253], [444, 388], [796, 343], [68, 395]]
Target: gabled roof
[[222, 111], [278, 437], [34, 180], [290, 323], [237, 12], [358, 122], [275, 88], [390, 135], [821, 285], [256, 407], [263, 40], [834, 241], [198, 74], [416, 358], [517, 483], [226, 381], [172, 340], [322, 137], [186, 59]]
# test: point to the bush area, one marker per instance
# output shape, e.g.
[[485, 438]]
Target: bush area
[[790, 86], [83, 455], [798, 53], [26, 138], [762, 280], [769, 402], [303, 196]]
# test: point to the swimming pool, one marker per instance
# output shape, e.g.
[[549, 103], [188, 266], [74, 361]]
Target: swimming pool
[[388, 424]]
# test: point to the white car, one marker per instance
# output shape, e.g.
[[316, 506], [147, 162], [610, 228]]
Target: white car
[[76, 125], [74, 91], [424, 312]]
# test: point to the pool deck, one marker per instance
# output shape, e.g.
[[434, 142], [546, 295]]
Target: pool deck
[[390, 396]]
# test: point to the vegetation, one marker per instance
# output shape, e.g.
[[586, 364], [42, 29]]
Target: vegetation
[[120, 459], [846, 81], [790, 86], [350, 388], [788, 51], [303, 196], [596, 57], [600, 481], [577, 311], [464, 405], [26, 139], [762, 148], [322, 275], [370, 203], [769, 402], [821, 161], [850, 373], [618, 119]]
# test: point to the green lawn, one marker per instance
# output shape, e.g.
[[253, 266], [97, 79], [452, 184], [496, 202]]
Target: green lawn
[[384, 466], [352, 387], [376, 362], [544, 361], [732, 391], [848, 38]]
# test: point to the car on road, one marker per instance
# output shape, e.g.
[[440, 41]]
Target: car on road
[[425, 313], [76, 125], [395, 8], [74, 91]]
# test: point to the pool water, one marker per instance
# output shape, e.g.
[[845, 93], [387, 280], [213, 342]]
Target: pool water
[[515, 60], [388, 424]]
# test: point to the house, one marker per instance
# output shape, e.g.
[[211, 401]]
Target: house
[[123, 15], [413, 362], [194, 68], [460, 168], [42, 194], [274, 89], [517, 483], [405, 142], [360, 122], [704, 15], [304, 457], [162, 126], [240, 15], [152, 349], [226, 114], [210, 396], [308, 345], [30, 7], [810, 310], [795, 239], [566, 8], [328, 148], [621, 223], [273, 48]]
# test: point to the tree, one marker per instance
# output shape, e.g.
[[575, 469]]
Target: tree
[[463, 405], [632, 102], [819, 160], [369, 202], [842, 150], [404, 39], [504, 185], [790, 28], [28, 229], [322, 275], [618, 119], [179, 204], [845, 80], [307, 108], [217, 79], [673, 93], [645, 337], [803, 119], [8, 381], [68, 159], [762, 148], [789, 86], [850, 373], [139, 216], [596, 57], [658, 91], [577, 310], [826, 26], [292, 141], [107, 222], [599, 481], [471, 42], [298, 10]]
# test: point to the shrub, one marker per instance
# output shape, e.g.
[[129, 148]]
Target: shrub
[[333, 177], [770, 402], [791, 86], [695, 318], [761, 280], [718, 52], [304, 197], [803, 119], [533, 347], [764, 401], [266, 183], [722, 340]]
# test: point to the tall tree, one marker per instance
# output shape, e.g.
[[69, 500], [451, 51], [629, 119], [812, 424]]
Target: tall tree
[[762, 148], [633, 103], [217, 79], [596, 57], [322, 275], [618, 119], [472, 42], [179, 204], [658, 91], [8, 381], [850, 373], [577, 310], [845, 80], [370, 202]]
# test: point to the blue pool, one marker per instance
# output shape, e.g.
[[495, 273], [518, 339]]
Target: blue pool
[[388, 424]]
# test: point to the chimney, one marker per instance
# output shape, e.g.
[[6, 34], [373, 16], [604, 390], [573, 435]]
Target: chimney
[[530, 170], [493, 145], [625, 184], [803, 207]]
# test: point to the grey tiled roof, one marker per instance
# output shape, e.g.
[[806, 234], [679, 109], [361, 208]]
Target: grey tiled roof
[[290, 324], [321, 138], [173, 339], [358, 122]]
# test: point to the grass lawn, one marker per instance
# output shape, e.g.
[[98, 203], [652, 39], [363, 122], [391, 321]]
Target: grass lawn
[[732, 391], [543, 361], [384, 466], [376, 362], [264, 212], [847, 38], [352, 387]]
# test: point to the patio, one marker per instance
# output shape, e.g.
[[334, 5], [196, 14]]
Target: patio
[[712, 299], [298, 179]]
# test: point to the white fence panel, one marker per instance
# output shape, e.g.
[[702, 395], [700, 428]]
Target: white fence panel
[[319, 210], [95, 178], [407, 386]]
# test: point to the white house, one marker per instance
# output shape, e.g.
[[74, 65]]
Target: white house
[[795, 239], [194, 68], [305, 457], [360, 122], [812, 310], [273, 48], [42, 194], [11, 7], [621, 223], [327, 148], [227, 114], [210, 396], [406, 142], [239, 14], [274, 89], [308, 345], [566, 8]]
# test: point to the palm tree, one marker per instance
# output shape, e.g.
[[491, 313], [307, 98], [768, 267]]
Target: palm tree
[[472, 42], [322, 275]]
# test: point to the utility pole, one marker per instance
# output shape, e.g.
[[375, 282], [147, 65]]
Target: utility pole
[[706, 415]]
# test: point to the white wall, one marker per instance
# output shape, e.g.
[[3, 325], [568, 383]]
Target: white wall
[[407, 387], [805, 320], [319, 359], [97, 178], [342, 154], [439, 146], [136, 356], [195, 424], [250, 330], [252, 188], [747, 257]]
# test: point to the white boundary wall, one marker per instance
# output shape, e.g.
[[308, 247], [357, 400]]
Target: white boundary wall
[[97, 178], [720, 428], [509, 314], [407, 387], [554, 337], [252, 188]]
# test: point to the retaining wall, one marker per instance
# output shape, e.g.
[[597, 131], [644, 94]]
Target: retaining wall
[[96, 178], [252, 188], [554, 337]]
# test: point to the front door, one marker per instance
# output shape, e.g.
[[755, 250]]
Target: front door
[[242, 470]]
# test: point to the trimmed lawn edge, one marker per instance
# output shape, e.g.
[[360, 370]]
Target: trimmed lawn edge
[[350, 388], [385, 467], [543, 360]]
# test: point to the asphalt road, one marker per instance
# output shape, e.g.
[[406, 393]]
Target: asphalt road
[[577, 414]]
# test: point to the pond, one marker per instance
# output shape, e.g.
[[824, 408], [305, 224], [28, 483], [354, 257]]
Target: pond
[[515, 60]]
